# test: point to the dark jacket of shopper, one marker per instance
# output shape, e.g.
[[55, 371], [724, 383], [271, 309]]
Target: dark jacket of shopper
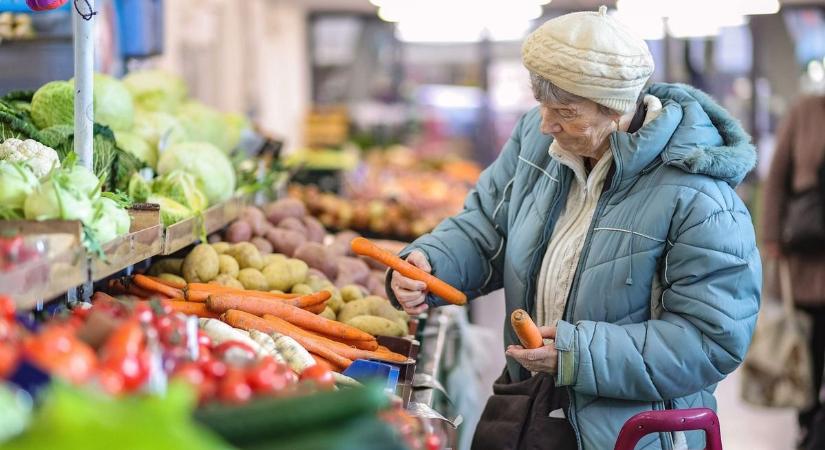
[[800, 150]]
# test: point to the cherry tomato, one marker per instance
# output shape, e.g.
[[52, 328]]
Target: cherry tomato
[[204, 355], [214, 368], [234, 389], [433, 442], [57, 350], [291, 377], [7, 308], [204, 339], [320, 375], [9, 357], [190, 373], [143, 312], [207, 390], [8, 329], [264, 377], [110, 381]]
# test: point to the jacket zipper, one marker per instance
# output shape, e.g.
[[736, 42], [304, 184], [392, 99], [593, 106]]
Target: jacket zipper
[[571, 298]]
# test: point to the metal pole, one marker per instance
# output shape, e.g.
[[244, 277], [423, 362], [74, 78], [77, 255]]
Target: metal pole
[[83, 24]]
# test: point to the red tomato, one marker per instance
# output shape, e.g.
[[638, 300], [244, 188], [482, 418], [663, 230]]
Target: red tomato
[[143, 312], [58, 351], [234, 389], [433, 442], [204, 355], [8, 329], [207, 390], [320, 375], [110, 381], [7, 308], [291, 377], [9, 356], [235, 353], [264, 377], [214, 368], [190, 373], [204, 339]]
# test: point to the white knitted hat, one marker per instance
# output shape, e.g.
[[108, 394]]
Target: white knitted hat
[[592, 55]]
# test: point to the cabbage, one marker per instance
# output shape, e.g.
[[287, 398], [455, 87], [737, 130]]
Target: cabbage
[[109, 220], [205, 124], [210, 167], [139, 189], [55, 198], [158, 128], [16, 183], [83, 181], [171, 212], [156, 90], [182, 188], [53, 104], [135, 145]]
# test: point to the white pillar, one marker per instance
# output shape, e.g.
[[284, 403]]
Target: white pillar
[[83, 24]]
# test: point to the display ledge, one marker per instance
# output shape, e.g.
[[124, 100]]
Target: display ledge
[[145, 239], [187, 232]]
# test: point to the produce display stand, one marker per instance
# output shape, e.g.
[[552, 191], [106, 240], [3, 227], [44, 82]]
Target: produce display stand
[[186, 232], [144, 240]]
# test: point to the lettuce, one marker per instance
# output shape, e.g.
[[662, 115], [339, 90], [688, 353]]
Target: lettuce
[[210, 167]]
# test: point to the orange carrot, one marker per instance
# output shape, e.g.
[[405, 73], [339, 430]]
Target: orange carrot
[[154, 286], [116, 286], [292, 314], [102, 297], [246, 321], [366, 248], [316, 309], [198, 292], [170, 283], [324, 362], [136, 290], [192, 309], [350, 352], [526, 330]]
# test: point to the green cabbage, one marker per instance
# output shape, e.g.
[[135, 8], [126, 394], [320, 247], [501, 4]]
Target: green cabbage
[[139, 189], [158, 128], [53, 104], [210, 167], [82, 180], [182, 188], [109, 220], [55, 198], [205, 124], [135, 145], [16, 183], [171, 212], [156, 90]]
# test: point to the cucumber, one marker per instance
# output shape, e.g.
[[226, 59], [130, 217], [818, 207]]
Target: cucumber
[[271, 418]]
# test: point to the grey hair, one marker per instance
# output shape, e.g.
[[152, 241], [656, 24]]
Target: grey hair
[[545, 91]]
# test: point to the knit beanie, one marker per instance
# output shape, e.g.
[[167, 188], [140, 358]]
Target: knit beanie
[[592, 55]]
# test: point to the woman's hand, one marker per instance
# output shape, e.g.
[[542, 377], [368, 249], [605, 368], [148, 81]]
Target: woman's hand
[[542, 359], [411, 294]]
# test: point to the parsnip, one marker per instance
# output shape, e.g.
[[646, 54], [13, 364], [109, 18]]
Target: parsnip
[[296, 356], [267, 345]]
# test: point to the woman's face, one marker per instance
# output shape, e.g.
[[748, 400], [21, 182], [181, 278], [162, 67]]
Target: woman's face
[[580, 128]]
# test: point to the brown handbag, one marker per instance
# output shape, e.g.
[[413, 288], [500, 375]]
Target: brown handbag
[[525, 415], [803, 230]]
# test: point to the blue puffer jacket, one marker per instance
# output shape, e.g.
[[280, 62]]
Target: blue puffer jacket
[[667, 290]]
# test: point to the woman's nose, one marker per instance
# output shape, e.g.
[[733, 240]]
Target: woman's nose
[[549, 126]]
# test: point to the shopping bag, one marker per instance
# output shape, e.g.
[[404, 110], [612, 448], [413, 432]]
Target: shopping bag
[[777, 369]]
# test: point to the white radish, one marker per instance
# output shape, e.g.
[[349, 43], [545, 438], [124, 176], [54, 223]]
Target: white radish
[[297, 357], [344, 380], [267, 345], [221, 332]]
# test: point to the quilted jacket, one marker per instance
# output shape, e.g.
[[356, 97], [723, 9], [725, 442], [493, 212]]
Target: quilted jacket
[[667, 289]]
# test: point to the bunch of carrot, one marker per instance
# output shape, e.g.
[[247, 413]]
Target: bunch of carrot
[[292, 315]]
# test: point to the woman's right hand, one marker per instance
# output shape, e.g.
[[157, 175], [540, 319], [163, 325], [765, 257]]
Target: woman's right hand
[[411, 294]]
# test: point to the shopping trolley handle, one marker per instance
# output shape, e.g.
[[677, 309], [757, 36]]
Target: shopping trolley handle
[[648, 422]]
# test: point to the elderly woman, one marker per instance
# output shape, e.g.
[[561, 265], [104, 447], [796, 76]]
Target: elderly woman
[[611, 217]]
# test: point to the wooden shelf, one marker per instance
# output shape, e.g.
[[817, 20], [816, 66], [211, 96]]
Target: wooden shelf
[[187, 232], [145, 239]]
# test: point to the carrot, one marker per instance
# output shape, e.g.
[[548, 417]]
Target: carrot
[[191, 309], [371, 345], [526, 330], [170, 283], [366, 248], [102, 297], [154, 286], [323, 362], [345, 350], [292, 314], [316, 309], [246, 321], [138, 291], [198, 292], [116, 286]]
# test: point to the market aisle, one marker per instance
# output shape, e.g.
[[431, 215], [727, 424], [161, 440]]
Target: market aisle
[[744, 427]]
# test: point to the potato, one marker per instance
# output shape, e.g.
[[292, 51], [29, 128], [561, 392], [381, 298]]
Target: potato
[[315, 282], [328, 313], [278, 276], [275, 291], [376, 326], [253, 279], [293, 223], [343, 241], [317, 257], [228, 266], [315, 230], [335, 302], [351, 271], [239, 231], [382, 307], [168, 265], [283, 208], [285, 241], [298, 270], [353, 309], [256, 219], [171, 277], [201, 265], [214, 238], [247, 256], [301, 289], [262, 244], [221, 247], [376, 285], [272, 258], [228, 281], [351, 292]]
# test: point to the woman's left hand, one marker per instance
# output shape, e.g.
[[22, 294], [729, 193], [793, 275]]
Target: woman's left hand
[[542, 359]]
